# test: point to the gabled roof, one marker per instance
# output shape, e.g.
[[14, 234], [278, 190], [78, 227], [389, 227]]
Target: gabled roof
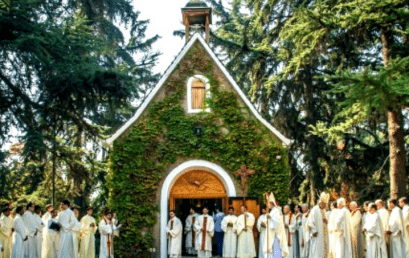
[[169, 71]]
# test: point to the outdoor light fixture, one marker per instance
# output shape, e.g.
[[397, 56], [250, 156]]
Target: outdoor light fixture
[[198, 130]]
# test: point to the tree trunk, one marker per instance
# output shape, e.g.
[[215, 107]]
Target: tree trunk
[[397, 152]]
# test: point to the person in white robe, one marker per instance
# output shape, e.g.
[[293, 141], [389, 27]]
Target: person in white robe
[[245, 239], [20, 236], [51, 239], [290, 224], [6, 234], [31, 228], [331, 229], [230, 234], [375, 242], [342, 235], [384, 215], [76, 232], [304, 243], [356, 230], [48, 209], [316, 228], [364, 215], [262, 229], [38, 239], [190, 233], [174, 232], [403, 203], [204, 228], [107, 230], [88, 230], [299, 230], [277, 223], [66, 219], [396, 231]]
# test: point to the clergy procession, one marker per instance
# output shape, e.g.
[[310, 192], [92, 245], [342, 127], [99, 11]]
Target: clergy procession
[[333, 230], [26, 232]]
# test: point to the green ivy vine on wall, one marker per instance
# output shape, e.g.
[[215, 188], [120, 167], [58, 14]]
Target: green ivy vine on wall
[[230, 137]]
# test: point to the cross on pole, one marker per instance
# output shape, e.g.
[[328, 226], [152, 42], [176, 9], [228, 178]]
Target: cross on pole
[[243, 172]]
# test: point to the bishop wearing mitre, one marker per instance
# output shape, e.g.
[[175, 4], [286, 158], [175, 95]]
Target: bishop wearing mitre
[[317, 229], [204, 228], [230, 234], [277, 232], [174, 231], [245, 223], [88, 230]]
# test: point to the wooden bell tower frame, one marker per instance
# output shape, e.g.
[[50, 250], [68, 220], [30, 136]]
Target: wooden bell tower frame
[[197, 15]]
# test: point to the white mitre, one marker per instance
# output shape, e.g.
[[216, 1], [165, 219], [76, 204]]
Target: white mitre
[[324, 198]]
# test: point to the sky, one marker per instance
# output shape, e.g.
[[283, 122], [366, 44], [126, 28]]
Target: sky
[[165, 17]]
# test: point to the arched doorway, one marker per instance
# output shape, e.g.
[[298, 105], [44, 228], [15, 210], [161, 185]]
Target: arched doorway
[[213, 182]]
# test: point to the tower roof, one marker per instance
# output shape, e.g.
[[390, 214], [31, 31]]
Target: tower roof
[[196, 3]]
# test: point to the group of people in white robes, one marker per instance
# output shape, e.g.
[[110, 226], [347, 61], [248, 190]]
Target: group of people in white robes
[[56, 234]]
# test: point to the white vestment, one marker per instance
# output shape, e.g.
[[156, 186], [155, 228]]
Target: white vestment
[[190, 234], [230, 236], [331, 232], [51, 239], [19, 235], [300, 233], [280, 235], [76, 231], [405, 213], [87, 246], [375, 242], [267, 228], [38, 239], [6, 235], [384, 215], [305, 243], [342, 235], [356, 234], [397, 239], [204, 235], [314, 225], [31, 229], [106, 230], [291, 223], [174, 231], [66, 246], [364, 215], [245, 238]]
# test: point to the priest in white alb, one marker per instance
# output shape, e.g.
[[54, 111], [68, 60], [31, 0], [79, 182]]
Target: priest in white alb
[[6, 234], [304, 240], [403, 203], [190, 233], [31, 228], [384, 216], [396, 231], [19, 235], [174, 232], [230, 234], [290, 224], [375, 241], [76, 232], [88, 230], [51, 236], [331, 229], [38, 238], [317, 230], [66, 219], [357, 240], [204, 228], [342, 232], [262, 229], [107, 228], [47, 213], [299, 231], [245, 239]]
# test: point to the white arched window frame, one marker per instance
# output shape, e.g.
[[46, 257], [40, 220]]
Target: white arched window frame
[[189, 93]]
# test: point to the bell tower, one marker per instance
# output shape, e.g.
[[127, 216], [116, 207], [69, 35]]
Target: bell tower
[[197, 15]]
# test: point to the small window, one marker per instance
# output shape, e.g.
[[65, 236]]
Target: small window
[[197, 91], [198, 94]]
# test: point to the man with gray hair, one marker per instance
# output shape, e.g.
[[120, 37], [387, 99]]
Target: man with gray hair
[[356, 233], [384, 215], [342, 232]]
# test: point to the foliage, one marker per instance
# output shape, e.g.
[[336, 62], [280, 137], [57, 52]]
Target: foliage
[[230, 137]]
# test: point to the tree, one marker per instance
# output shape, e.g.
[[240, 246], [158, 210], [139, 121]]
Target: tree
[[374, 32]]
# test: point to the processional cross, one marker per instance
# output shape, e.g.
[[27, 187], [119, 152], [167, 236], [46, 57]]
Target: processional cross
[[243, 172]]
